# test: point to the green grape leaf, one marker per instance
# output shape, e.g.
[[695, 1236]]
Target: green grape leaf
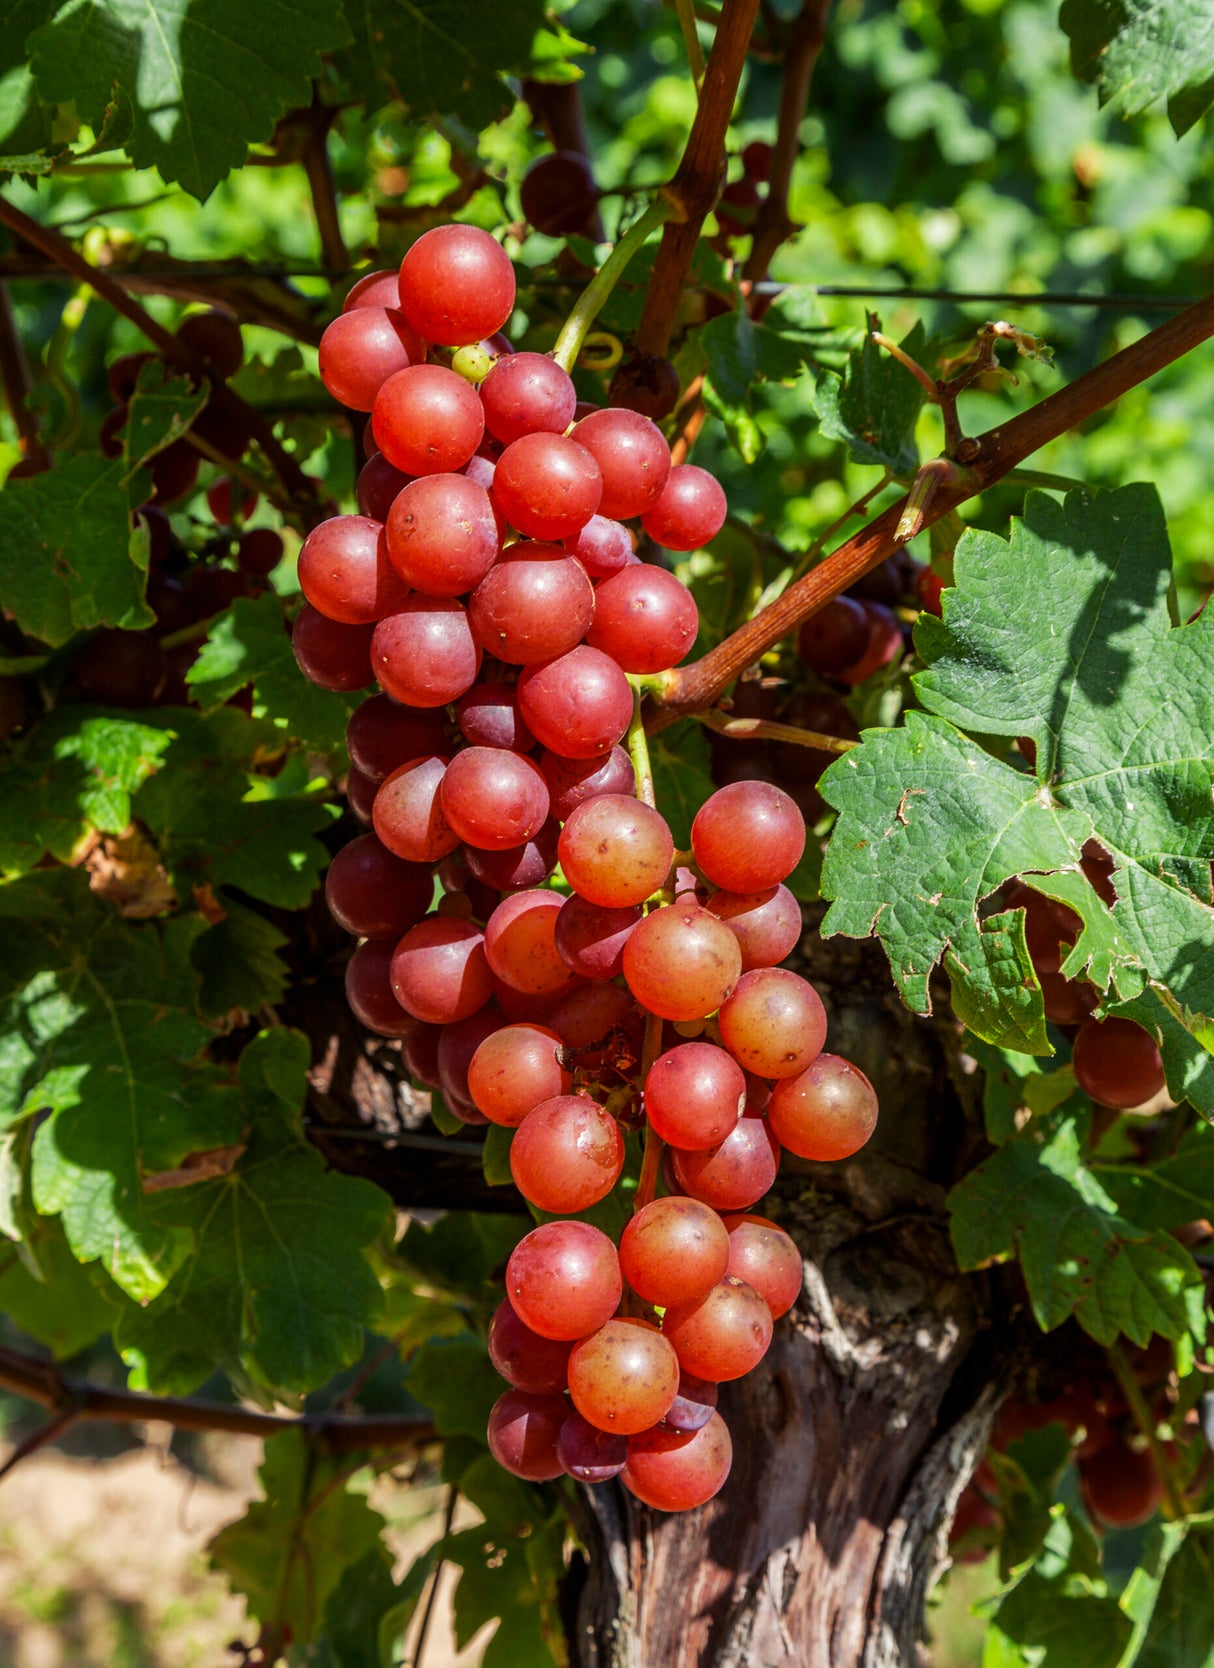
[[682, 777], [292, 1547], [238, 962], [738, 353], [1025, 1513], [276, 1285], [25, 125], [296, 399], [1140, 51], [217, 824], [1014, 1086], [249, 644], [1050, 1621], [495, 1155], [355, 1613], [453, 1377], [497, 1584], [1180, 1631], [1036, 1199], [99, 1032], [440, 56], [1170, 1193], [75, 771], [161, 410], [203, 81], [986, 963], [875, 405], [931, 824], [52, 1296], [70, 559]]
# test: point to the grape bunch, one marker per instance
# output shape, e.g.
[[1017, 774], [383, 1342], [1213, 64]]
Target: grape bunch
[[491, 586]]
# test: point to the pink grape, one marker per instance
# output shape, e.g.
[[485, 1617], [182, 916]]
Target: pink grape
[[520, 941], [362, 348], [439, 971], [424, 654], [546, 485], [523, 1358], [578, 705], [690, 512], [681, 962], [675, 1250], [372, 893], [674, 1471], [527, 393], [767, 924], [694, 1095], [493, 798], [441, 534], [737, 1172], [615, 851], [624, 1376], [723, 1335], [765, 1257], [748, 836], [514, 1070], [774, 1023], [632, 456], [523, 1433], [427, 420], [369, 990], [566, 1155], [826, 1112], [644, 618], [408, 812], [344, 570], [456, 285], [563, 1279]]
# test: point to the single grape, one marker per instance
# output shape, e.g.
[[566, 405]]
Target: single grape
[[735, 210], [546, 485], [382, 735], [644, 618], [527, 393], [748, 836], [488, 716], [361, 349], [835, 637], [674, 1471], [766, 924], [408, 811], [331, 654], [774, 1023], [456, 285], [369, 990], [456, 1051], [373, 289], [1121, 1486], [559, 197], [884, 644], [215, 336], [372, 893], [442, 535], [681, 962], [439, 971], [122, 374], [693, 1406], [633, 459], [615, 851], [523, 1358], [378, 485], [694, 1095], [756, 159], [259, 552], [566, 1155], [737, 1172], [523, 1434], [590, 939], [675, 1250], [534, 605], [1117, 1062], [344, 571], [624, 1376], [518, 868], [520, 941], [222, 503], [765, 1257], [360, 791], [563, 1279], [826, 1112], [427, 420], [690, 511], [723, 1335], [494, 799], [602, 546], [571, 782], [424, 654], [174, 472], [420, 1054], [578, 705], [1066, 1001], [589, 1454], [514, 1070]]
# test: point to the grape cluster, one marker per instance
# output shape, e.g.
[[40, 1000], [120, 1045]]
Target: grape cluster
[[491, 586]]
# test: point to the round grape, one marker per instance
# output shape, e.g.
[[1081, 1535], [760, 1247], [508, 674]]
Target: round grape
[[826, 1112]]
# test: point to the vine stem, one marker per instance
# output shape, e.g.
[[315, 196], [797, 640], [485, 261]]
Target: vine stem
[[691, 40], [988, 458], [588, 305], [301, 490], [767, 729], [697, 181], [772, 222], [43, 1382]]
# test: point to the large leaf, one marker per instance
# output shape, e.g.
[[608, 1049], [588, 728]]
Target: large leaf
[[1180, 1633], [440, 56], [98, 1030], [1139, 51], [276, 1286], [70, 559], [1119, 704], [1034, 1198], [75, 771], [162, 408], [204, 78], [289, 1551]]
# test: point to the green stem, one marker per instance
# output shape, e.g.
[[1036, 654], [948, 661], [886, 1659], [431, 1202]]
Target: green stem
[[691, 40], [588, 305], [638, 752]]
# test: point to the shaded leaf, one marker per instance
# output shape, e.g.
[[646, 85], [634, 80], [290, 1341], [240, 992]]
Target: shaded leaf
[[1140, 51], [875, 405]]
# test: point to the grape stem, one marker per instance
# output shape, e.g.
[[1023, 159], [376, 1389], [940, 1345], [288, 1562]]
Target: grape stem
[[691, 40], [767, 729], [638, 752], [589, 304]]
